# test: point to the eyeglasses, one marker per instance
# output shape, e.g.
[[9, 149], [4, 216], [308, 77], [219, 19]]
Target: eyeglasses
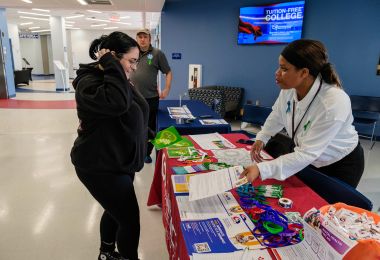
[[133, 62]]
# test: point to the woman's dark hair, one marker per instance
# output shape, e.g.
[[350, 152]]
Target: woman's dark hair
[[311, 54], [118, 42]]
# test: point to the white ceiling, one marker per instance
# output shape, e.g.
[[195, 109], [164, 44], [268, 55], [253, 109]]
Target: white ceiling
[[123, 14]]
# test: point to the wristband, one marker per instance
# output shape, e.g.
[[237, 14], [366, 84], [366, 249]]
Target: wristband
[[275, 241], [259, 230], [288, 233], [272, 228], [295, 227]]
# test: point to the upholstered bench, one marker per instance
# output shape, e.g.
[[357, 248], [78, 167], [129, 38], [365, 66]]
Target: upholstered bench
[[221, 99]]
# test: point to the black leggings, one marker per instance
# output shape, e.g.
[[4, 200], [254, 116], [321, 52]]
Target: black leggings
[[120, 222], [348, 169]]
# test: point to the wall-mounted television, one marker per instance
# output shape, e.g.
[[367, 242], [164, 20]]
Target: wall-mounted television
[[271, 24]]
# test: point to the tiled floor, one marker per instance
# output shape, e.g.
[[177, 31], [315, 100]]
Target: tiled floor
[[46, 213]]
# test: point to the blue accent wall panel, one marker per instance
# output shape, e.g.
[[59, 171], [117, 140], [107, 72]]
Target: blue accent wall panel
[[205, 32], [8, 54]]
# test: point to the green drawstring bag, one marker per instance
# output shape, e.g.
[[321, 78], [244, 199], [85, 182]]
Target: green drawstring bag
[[166, 138]]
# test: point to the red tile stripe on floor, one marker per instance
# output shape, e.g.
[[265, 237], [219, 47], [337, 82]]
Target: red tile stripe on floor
[[37, 104]]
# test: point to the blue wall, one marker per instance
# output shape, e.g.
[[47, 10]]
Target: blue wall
[[8, 54], [205, 32]]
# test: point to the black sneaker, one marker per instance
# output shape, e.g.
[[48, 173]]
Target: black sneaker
[[148, 159], [110, 256]]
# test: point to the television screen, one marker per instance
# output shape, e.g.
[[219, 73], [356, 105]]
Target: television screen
[[271, 24]]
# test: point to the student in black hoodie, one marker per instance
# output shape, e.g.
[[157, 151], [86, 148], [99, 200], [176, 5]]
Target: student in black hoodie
[[111, 142]]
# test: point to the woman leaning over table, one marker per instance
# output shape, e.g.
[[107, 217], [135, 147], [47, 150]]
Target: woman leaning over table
[[111, 142], [316, 112]]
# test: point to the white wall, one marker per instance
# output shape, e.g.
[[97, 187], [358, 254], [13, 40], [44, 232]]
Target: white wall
[[13, 35], [78, 43], [31, 50]]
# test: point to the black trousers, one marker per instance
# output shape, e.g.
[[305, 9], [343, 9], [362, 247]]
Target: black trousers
[[120, 222], [153, 108], [349, 169]]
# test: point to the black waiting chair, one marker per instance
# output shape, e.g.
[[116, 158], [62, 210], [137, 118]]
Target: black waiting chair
[[366, 112], [333, 190], [21, 77]]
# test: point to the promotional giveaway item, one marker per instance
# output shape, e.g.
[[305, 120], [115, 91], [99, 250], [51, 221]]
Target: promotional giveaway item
[[285, 203], [337, 231], [166, 137], [272, 228]]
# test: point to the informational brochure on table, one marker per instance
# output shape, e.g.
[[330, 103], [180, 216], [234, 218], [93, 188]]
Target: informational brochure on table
[[215, 225], [237, 255], [208, 184], [212, 141], [213, 122], [215, 182], [180, 112]]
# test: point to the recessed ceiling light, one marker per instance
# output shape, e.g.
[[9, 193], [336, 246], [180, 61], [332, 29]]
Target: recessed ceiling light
[[22, 12], [34, 18], [45, 30], [110, 28], [69, 25], [94, 11], [35, 27], [42, 10], [94, 19], [26, 23], [73, 28], [82, 2], [125, 17], [96, 25], [27, 1], [69, 21], [123, 23], [107, 21], [74, 16]]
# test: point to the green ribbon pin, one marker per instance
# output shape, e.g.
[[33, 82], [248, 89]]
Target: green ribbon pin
[[307, 125]]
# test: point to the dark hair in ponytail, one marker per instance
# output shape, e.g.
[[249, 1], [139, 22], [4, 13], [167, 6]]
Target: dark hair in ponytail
[[311, 54], [118, 42]]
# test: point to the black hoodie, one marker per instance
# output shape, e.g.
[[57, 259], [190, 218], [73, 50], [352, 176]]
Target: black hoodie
[[112, 135]]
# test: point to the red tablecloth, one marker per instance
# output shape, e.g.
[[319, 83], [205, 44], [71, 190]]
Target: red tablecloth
[[161, 193]]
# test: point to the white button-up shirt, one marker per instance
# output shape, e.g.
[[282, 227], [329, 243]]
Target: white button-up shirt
[[325, 135]]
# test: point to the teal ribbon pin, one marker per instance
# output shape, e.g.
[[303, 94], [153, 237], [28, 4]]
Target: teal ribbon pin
[[288, 109]]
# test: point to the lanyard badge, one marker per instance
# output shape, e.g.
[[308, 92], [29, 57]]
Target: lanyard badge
[[150, 57]]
